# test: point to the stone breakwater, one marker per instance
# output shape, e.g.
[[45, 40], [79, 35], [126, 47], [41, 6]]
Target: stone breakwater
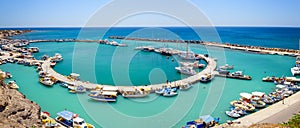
[[254, 49]]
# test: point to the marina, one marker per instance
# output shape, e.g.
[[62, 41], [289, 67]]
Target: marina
[[135, 90]]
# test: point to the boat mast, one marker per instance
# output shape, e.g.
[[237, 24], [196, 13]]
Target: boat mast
[[187, 50]]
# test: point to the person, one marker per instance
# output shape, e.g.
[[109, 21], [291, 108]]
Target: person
[[283, 100]]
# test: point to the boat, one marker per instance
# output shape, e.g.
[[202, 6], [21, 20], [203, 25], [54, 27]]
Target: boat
[[63, 84], [263, 97], [239, 75], [13, 85], [205, 78], [194, 65], [57, 57], [227, 67], [47, 121], [186, 70], [161, 91], [258, 103], [185, 86], [134, 93], [232, 114], [69, 119], [295, 71], [46, 81], [239, 110], [8, 75], [268, 79], [53, 63], [243, 105], [105, 96], [170, 94], [77, 89]]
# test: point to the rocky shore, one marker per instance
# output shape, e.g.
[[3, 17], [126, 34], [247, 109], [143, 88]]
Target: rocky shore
[[15, 110]]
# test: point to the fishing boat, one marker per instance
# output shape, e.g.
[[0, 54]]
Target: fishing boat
[[227, 67], [134, 93], [57, 57], [63, 84], [239, 75], [8, 75], [243, 105], [53, 63], [194, 65], [105, 96], [268, 79], [46, 81], [184, 86], [258, 103], [170, 94], [295, 71], [13, 85], [161, 91], [233, 114], [205, 78], [77, 89], [239, 110], [47, 121], [186, 70], [69, 119]]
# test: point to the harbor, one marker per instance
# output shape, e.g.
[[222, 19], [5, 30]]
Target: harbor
[[126, 91]]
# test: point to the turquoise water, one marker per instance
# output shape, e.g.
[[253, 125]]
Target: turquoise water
[[143, 68]]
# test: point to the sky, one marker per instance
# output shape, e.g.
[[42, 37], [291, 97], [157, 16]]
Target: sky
[[77, 13]]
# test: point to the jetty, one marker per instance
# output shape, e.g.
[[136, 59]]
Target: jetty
[[211, 66], [246, 48]]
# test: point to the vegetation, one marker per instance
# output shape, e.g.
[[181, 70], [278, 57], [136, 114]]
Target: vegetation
[[294, 122]]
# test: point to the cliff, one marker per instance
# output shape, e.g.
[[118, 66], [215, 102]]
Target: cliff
[[17, 111]]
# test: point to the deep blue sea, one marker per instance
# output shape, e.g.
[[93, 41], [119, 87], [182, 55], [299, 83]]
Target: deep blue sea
[[106, 64]]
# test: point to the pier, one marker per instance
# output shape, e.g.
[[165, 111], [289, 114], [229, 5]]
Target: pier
[[211, 66], [253, 49]]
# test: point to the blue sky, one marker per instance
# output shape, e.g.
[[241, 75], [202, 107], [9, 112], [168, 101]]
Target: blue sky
[[73, 13]]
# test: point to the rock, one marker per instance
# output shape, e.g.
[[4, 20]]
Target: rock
[[17, 111]]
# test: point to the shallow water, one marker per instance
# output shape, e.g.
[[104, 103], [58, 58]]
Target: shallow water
[[125, 66]]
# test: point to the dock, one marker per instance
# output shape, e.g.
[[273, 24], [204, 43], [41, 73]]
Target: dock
[[211, 66], [246, 48]]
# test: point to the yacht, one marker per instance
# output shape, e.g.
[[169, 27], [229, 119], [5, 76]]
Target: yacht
[[186, 70]]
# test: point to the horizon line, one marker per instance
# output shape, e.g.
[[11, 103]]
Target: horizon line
[[3, 27]]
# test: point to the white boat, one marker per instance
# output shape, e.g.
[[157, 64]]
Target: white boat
[[53, 63], [46, 81], [233, 114], [237, 73], [104, 96], [226, 67], [205, 78], [13, 85], [8, 75], [134, 93], [194, 65], [185, 86], [295, 71], [186, 70], [189, 56], [71, 120], [77, 89], [57, 57], [170, 93]]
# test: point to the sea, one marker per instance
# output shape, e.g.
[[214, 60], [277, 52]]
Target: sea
[[124, 66]]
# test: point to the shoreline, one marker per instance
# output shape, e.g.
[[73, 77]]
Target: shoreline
[[254, 117]]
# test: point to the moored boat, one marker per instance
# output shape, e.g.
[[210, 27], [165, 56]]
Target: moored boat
[[46, 81], [70, 119], [205, 78], [105, 96], [227, 67], [13, 85], [186, 70]]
